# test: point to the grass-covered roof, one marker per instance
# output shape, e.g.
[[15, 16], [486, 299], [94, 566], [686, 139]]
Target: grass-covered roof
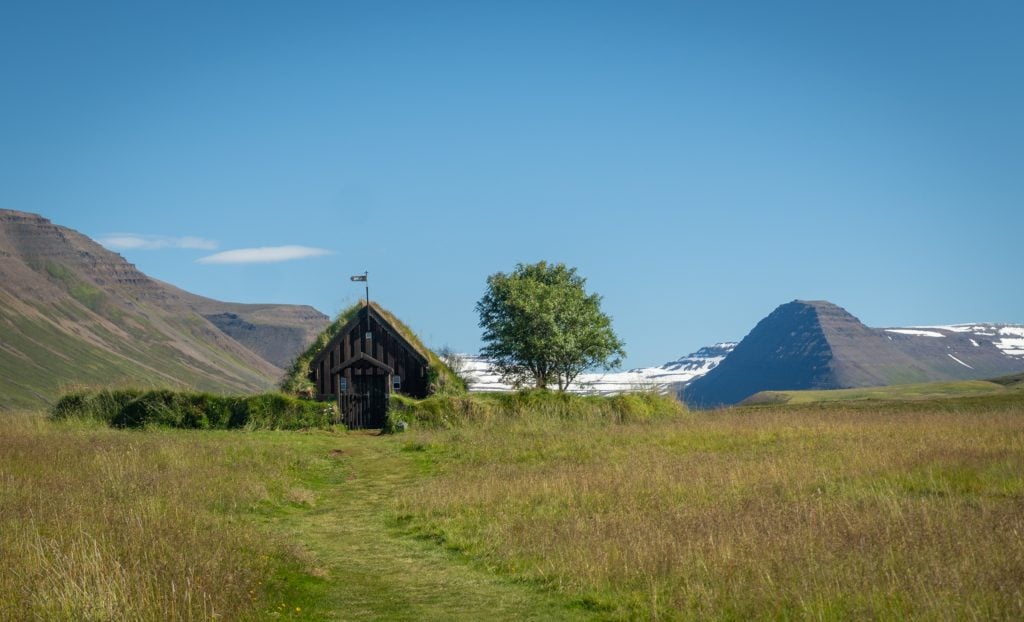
[[296, 381]]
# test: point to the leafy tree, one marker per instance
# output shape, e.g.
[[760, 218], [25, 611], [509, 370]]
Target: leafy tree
[[541, 326]]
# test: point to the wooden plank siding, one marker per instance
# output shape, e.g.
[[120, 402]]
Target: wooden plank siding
[[367, 365]]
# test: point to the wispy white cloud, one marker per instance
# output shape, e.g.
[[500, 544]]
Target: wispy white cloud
[[265, 254], [139, 241]]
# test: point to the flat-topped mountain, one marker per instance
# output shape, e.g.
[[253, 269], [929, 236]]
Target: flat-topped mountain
[[73, 312], [278, 333], [819, 345]]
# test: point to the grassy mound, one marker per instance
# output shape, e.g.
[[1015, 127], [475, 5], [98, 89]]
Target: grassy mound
[[1015, 381], [134, 408], [893, 393], [446, 411], [296, 381]]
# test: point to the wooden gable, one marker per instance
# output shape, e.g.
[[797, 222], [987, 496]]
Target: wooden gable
[[366, 361]]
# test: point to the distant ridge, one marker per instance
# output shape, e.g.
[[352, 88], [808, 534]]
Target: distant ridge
[[278, 333], [819, 345], [73, 312], [667, 378]]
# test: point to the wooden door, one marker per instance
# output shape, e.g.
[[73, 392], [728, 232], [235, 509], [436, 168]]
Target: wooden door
[[367, 405]]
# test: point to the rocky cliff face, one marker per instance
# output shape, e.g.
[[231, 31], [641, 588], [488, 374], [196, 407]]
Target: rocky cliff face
[[72, 312], [818, 345], [33, 245]]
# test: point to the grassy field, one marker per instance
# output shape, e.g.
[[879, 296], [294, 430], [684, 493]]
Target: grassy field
[[97, 524], [770, 513], [901, 392], [910, 510], [162, 524]]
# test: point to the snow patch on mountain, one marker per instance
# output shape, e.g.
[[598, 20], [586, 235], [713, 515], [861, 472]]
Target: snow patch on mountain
[[484, 379], [913, 331], [959, 361], [1009, 338]]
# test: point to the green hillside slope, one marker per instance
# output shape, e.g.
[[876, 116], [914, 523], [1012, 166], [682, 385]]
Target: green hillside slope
[[72, 312]]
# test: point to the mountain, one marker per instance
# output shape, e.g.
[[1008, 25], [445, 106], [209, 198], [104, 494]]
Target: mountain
[[278, 333], [986, 349], [819, 345], [667, 377], [72, 312]]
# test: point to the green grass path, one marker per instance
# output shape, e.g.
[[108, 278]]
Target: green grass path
[[374, 573]]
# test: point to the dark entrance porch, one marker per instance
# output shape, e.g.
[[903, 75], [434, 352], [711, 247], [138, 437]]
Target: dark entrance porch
[[364, 389]]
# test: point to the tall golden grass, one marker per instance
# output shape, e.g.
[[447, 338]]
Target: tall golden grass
[[98, 524], [791, 514]]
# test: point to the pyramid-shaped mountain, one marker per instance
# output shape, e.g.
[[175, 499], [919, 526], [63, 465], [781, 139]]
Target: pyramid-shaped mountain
[[808, 345]]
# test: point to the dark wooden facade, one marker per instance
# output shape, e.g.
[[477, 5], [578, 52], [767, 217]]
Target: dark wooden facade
[[365, 362]]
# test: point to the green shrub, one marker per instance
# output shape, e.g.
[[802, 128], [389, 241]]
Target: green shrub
[[70, 405], [149, 408], [276, 411], [131, 408], [446, 411], [102, 405]]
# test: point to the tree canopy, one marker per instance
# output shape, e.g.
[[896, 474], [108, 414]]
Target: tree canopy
[[541, 326]]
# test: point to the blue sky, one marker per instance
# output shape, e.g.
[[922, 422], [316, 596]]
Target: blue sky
[[699, 163]]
